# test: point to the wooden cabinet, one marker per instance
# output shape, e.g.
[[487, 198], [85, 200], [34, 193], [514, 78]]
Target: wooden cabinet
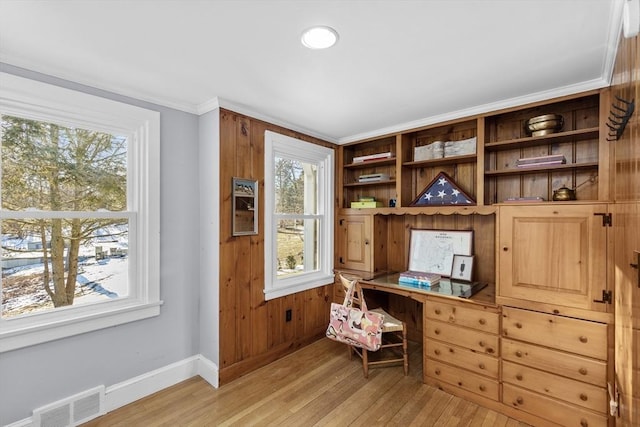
[[361, 243], [557, 363], [462, 347], [554, 258]]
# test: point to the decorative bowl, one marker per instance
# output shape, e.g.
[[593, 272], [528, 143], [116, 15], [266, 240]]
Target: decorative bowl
[[544, 125]]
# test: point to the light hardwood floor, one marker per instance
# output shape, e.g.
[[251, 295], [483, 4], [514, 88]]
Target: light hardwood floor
[[315, 386]]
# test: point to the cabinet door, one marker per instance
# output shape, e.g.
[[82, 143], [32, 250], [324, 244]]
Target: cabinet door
[[554, 254], [354, 242]]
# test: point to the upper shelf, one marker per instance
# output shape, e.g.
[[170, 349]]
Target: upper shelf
[[371, 163], [442, 161], [532, 141]]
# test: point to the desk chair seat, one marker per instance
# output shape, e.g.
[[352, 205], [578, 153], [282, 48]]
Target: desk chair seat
[[394, 337]]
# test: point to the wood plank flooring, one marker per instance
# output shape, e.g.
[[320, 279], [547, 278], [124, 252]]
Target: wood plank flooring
[[315, 386]]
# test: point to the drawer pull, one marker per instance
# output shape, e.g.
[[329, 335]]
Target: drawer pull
[[437, 311], [584, 423], [583, 339], [583, 397], [460, 383], [490, 350], [482, 388], [481, 366], [437, 352], [437, 371], [519, 325], [481, 344], [518, 353], [519, 377], [482, 322], [583, 371], [519, 400], [451, 350], [437, 331]]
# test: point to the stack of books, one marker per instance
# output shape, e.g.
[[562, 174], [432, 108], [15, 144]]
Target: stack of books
[[373, 177], [366, 202], [552, 159], [419, 278], [372, 157]]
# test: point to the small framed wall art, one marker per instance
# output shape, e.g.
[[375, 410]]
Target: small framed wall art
[[462, 267]]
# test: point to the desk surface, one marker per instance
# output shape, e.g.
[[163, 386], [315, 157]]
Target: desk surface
[[479, 292]]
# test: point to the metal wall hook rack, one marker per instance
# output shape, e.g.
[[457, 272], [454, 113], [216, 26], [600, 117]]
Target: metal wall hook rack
[[619, 117]]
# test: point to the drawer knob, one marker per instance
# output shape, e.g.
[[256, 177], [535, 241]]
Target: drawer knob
[[519, 377], [583, 397], [505, 248], [437, 352], [518, 353], [584, 423], [482, 388], [583, 371], [519, 325], [451, 350], [482, 321], [481, 344], [437, 371], [460, 383], [437, 311], [437, 331], [583, 339], [481, 366], [519, 400]]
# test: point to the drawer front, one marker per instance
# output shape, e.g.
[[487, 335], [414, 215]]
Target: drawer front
[[556, 387], [464, 379], [469, 338], [553, 410], [462, 357], [482, 320], [568, 365], [563, 333]]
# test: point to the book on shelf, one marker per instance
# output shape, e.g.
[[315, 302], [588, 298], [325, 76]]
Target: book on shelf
[[552, 159], [525, 199], [419, 278], [374, 177], [371, 157], [367, 204]]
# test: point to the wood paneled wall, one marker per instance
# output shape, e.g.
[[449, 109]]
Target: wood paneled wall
[[254, 332], [626, 192]]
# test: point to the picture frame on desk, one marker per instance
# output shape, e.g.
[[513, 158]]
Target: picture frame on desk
[[462, 268]]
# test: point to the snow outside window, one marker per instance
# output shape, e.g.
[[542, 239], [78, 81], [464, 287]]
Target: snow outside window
[[298, 215], [79, 223]]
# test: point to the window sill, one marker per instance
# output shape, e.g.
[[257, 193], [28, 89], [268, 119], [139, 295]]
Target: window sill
[[33, 333]]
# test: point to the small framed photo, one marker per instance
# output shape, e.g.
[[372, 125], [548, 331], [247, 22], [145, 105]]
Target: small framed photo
[[462, 267]]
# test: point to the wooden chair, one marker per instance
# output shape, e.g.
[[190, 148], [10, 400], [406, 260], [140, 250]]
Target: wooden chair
[[394, 336]]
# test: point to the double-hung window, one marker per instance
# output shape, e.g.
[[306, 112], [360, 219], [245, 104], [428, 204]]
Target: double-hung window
[[79, 222], [298, 215]]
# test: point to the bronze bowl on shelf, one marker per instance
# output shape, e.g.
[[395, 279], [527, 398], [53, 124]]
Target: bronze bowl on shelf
[[563, 193], [544, 125]]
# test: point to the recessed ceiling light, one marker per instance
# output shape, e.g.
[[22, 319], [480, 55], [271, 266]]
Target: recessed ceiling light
[[319, 37]]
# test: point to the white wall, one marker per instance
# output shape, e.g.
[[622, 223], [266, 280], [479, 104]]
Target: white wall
[[41, 374]]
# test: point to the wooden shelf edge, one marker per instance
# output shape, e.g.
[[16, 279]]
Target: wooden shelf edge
[[470, 158], [371, 163], [551, 168], [365, 184], [427, 210], [539, 140]]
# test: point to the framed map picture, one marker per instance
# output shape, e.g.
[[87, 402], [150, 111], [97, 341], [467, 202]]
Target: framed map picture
[[432, 251]]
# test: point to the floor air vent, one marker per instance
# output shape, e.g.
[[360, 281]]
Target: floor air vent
[[71, 411]]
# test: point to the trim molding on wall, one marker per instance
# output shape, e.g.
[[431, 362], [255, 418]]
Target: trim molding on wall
[[136, 388]]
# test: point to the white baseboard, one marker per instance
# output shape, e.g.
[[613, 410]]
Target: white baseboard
[[146, 384]]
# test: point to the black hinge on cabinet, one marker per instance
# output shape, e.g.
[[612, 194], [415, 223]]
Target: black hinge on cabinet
[[341, 261], [341, 221], [607, 297], [607, 219]]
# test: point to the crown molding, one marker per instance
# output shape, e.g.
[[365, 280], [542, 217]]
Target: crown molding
[[29, 66], [478, 110], [247, 111]]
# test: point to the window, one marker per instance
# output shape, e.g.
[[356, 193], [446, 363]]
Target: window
[[79, 223], [298, 215]]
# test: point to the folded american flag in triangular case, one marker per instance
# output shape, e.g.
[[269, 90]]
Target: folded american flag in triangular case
[[442, 191]]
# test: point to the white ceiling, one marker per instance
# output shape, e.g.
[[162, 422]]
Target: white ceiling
[[398, 64]]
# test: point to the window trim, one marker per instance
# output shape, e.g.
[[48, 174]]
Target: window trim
[[276, 143], [45, 102]]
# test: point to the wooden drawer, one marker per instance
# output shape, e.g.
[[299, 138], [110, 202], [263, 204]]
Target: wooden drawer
[[462, 357], [554, 410], [556, 387], [469, 317], [464, 379], [579, 368], [469, 338], [576, 336]]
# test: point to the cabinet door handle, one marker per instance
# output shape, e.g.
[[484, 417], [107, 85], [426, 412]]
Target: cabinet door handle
[[504, 248]]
